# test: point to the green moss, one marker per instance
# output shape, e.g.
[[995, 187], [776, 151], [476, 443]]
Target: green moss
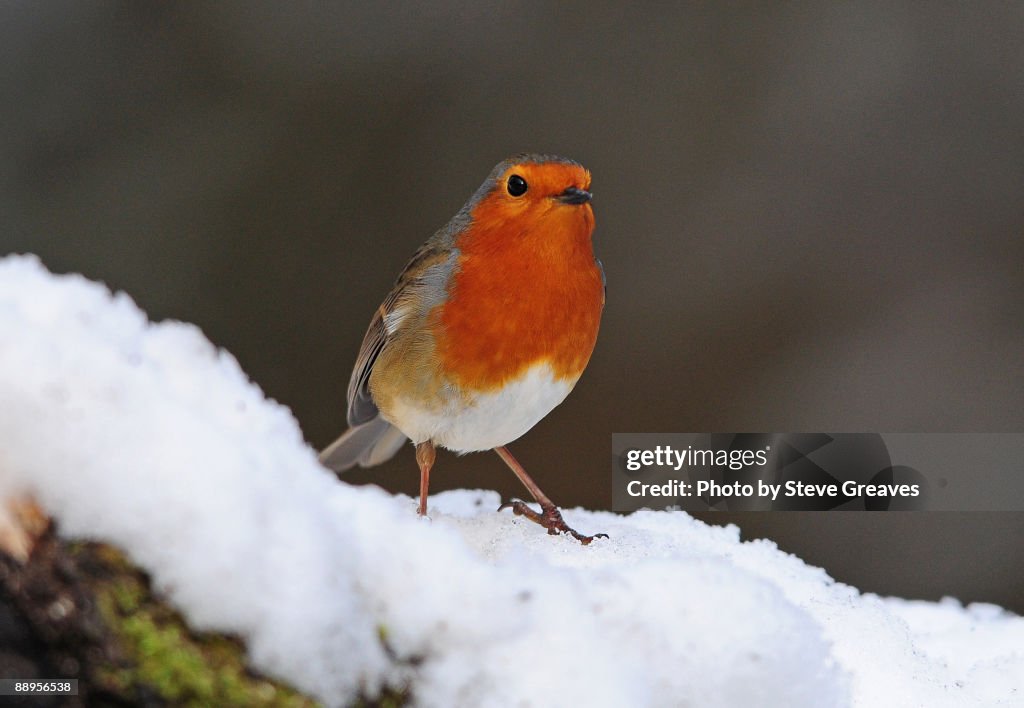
[[158, 653], [155, 652]]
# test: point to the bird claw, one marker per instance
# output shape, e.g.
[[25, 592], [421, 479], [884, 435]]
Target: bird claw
[[550, 518]]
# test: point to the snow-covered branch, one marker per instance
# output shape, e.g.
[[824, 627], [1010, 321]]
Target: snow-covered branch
[[148, 437]]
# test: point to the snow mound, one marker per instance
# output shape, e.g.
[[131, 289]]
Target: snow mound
[[149, 437]]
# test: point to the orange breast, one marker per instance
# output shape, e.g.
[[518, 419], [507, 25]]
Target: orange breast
[[527, 290]]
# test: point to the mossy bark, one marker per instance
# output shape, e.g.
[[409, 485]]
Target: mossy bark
[[81, 610]]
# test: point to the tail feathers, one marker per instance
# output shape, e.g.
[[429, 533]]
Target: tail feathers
[[369, 444]]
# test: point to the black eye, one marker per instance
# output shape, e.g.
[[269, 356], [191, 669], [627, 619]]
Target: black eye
[[516, 186]]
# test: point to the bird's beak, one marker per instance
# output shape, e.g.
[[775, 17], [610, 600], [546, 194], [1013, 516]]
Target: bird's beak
[[575, 195]]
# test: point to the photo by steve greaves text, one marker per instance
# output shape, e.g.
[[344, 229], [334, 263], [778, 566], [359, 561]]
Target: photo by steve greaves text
[[817, 471]]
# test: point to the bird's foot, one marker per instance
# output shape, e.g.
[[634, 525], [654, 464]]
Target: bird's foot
[[550, 518]]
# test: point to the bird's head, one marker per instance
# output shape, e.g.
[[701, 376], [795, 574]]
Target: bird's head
[[534, 195]]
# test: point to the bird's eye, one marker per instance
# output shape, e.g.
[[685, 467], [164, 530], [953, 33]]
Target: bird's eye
[[517, 186]]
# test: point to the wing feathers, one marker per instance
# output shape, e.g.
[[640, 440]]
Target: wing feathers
[[423, 284], [367, 445]]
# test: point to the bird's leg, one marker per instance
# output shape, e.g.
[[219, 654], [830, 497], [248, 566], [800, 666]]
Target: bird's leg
[[549, 517], [425, 454]]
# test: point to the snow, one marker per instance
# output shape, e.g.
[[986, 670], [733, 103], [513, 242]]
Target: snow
[[149, 437]]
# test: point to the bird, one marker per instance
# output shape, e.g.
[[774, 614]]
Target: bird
[[486, 330]]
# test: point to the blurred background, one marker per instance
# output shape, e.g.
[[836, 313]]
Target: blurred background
[[810, 217]]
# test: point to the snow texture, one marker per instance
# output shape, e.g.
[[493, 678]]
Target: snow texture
[[149, 437]]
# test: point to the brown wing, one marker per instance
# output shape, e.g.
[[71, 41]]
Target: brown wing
[[361, 407], [422, 285]]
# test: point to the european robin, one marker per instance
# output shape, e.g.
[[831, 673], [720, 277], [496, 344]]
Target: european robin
[[486, 330]]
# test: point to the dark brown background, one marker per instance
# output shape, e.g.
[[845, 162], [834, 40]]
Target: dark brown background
[[810, 218]]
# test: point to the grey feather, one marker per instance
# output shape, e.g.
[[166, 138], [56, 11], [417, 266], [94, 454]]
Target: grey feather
[[367, 445]]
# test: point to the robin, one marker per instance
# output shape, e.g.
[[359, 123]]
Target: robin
[[486, 330]]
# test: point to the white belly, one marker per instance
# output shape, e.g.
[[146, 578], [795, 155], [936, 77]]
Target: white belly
[[486, 420]]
